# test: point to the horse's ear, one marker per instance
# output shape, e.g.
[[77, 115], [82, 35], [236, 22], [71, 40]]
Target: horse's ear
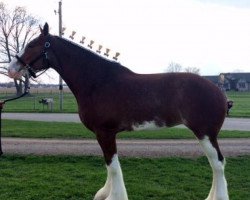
[[41, 30], [45, 30]]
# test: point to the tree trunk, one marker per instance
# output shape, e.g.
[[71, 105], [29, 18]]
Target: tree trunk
[[22, 86], [19, 87]]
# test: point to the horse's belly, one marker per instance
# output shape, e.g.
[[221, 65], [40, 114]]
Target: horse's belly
[[148, 125]]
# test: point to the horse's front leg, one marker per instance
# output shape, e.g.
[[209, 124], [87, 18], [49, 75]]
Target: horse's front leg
[[104, 192], [114, 188]]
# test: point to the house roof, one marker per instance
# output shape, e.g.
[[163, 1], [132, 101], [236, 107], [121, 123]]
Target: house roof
[[237, 76], [230, 76], [214, 79]]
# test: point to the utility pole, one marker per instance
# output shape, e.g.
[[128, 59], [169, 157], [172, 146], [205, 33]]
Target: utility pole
[[60, 78]]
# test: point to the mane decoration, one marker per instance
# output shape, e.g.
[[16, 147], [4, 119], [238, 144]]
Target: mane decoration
[[90, 46]]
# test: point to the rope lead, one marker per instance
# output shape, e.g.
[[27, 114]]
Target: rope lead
[[1, 108]]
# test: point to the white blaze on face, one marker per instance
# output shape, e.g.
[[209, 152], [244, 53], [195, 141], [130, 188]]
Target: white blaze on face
[[14, 67]]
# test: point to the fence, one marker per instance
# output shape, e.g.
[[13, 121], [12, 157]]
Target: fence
[[30, 103], [48, 90]]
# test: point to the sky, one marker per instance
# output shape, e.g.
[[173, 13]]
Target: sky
[[212, 35]]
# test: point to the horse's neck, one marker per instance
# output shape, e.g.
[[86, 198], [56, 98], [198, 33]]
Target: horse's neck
[[81, 69], [68, 64]]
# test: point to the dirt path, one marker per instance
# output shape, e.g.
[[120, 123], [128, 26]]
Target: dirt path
[[129, 148]]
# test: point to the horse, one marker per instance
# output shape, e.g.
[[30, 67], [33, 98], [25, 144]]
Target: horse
[[111, 98]]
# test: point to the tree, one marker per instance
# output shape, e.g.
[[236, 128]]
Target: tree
[[193, 70], [174, 67], [16, 30]]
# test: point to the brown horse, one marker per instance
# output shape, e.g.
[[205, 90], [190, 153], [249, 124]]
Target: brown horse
[[111, 99]]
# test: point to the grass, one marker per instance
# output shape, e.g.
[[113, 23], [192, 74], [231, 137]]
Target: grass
[[68, 130], [30, 104], [241, 106], [64, 177]]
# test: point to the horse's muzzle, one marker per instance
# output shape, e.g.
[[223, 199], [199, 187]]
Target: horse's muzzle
[[13, 73]]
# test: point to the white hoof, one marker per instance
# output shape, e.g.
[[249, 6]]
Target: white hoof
[[102, 194]]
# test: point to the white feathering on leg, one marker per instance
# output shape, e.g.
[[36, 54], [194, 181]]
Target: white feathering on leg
[[118, 190], [103, 193], [219, 185], [114, 188]]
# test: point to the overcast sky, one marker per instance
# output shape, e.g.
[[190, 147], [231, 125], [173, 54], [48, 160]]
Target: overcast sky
[[213, 35]]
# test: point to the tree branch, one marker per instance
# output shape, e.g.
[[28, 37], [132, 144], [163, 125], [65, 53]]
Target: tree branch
[[16, 29]]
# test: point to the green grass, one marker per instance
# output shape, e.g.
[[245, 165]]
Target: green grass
[[68, 130], [30, 104], [241, 106], [67, 177]]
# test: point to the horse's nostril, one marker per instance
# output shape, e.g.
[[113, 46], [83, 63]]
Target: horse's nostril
[[12, 73]]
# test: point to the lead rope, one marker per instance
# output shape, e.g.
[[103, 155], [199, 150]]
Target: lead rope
[[26, 91]]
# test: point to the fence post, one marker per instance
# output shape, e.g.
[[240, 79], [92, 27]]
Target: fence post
[[34, 103]]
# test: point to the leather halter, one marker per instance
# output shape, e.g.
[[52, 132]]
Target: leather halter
[[28, 66]]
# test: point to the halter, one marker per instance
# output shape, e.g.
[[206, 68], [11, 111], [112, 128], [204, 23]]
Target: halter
[[28, 66]]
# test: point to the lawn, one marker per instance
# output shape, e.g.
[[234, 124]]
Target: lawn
[[67, 177], [68, 130], [241, 106], [30, 103]]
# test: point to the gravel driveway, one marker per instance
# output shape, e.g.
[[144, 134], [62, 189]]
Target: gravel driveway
[[129, 148]]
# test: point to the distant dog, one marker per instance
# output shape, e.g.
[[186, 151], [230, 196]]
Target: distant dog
[[47, 101], [229, 106]]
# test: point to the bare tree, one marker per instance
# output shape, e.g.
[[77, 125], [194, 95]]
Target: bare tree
[[174, 67], [193, 70], [16, 30]]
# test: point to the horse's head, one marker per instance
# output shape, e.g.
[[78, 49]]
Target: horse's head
[[33, 58]]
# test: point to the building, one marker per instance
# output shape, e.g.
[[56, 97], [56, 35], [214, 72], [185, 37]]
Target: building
[[232, 81]]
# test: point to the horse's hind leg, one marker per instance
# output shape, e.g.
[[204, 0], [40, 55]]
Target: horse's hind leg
[[219, 185], [114, 188]]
